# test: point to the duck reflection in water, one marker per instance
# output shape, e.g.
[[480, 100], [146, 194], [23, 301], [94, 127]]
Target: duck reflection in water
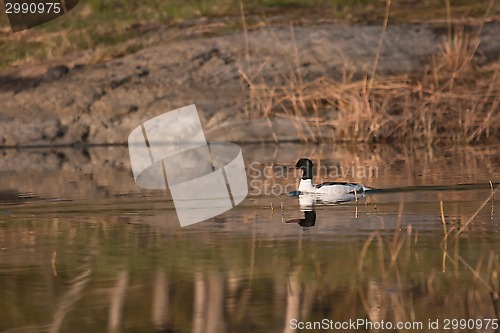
[[308, 202], [309, 219]]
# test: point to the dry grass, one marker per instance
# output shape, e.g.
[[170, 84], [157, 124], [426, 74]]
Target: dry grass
[[454, 99], [105, 25]]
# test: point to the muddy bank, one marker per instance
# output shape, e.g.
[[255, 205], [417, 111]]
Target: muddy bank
[[101, 104]]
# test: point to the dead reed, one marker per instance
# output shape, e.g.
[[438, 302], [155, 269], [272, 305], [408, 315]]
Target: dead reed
[[455, 99]]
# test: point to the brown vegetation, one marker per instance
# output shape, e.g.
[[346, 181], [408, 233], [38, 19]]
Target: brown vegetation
[[454, 99]]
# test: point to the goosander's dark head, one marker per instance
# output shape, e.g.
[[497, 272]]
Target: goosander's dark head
[[306, 166]]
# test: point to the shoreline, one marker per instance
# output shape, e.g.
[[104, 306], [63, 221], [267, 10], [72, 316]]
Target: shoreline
[[103, 102]]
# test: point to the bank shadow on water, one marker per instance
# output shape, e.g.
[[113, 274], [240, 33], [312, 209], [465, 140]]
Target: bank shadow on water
[[104, 172], [98, 182], [94, 182]]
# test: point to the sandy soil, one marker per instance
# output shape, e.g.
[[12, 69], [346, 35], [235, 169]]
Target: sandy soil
[[102, 103]]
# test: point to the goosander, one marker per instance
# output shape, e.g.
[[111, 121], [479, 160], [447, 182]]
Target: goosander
[[328, 192]]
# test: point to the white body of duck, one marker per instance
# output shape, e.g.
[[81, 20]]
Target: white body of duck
[[332, 188]]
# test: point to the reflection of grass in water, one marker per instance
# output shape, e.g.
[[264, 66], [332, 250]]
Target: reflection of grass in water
[[391, 275]]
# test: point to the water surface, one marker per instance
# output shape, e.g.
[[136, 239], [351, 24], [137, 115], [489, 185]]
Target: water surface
[[82, 249]]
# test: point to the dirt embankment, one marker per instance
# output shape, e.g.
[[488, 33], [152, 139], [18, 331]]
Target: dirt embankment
[[101, 104]]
